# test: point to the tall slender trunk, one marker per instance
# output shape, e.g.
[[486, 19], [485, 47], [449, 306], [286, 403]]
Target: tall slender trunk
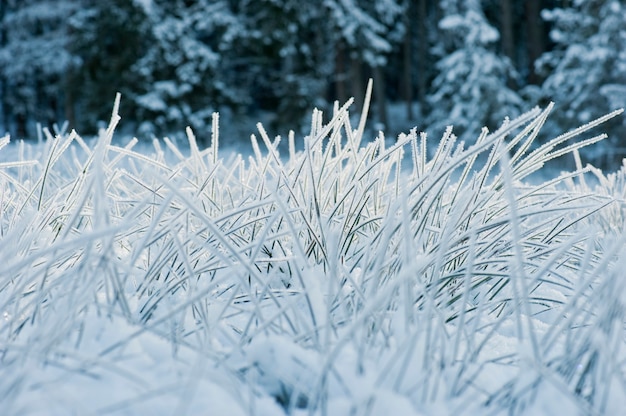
[[69, 80], [4, 113], [379, 94], [340, 74], [4, 121], [536, 41], [20, 120], [356, 78], [68, 104], [407, 83], [422, 54], [506, 29]]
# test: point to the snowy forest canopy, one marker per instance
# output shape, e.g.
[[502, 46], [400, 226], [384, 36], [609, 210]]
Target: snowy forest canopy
[[464, 62]]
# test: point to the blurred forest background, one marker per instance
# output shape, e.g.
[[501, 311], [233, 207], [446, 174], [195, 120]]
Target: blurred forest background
[[464, 62]]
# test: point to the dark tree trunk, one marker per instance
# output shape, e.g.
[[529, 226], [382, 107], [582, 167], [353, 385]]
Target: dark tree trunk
[[3, 106], [356, 77], [340, 74], [68, 104], [69, 84], [422, 54], [21, 126], [379, 94], [407, 83], [506, 29], [536, 45], [3, 82]]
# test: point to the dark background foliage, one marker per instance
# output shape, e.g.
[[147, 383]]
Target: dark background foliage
[[463, 62]]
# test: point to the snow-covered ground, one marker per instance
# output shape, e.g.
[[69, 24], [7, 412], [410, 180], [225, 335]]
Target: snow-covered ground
[[350, 277]]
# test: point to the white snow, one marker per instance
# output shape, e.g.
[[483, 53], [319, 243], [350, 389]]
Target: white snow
[[168, 281]]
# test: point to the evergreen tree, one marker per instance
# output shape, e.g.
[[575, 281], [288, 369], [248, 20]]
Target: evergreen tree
[[285, 48], [34, 62], [110, 38], [185, 71], [366, 32], [585, 74], [289, 49], [471, 89]]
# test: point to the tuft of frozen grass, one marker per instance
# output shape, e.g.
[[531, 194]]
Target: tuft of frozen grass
[[352, 277]]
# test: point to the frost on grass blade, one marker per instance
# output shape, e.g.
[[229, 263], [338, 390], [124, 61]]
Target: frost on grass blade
[[345, 278]]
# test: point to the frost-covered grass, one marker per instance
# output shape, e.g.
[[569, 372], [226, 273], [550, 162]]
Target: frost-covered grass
[[351, 277]]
